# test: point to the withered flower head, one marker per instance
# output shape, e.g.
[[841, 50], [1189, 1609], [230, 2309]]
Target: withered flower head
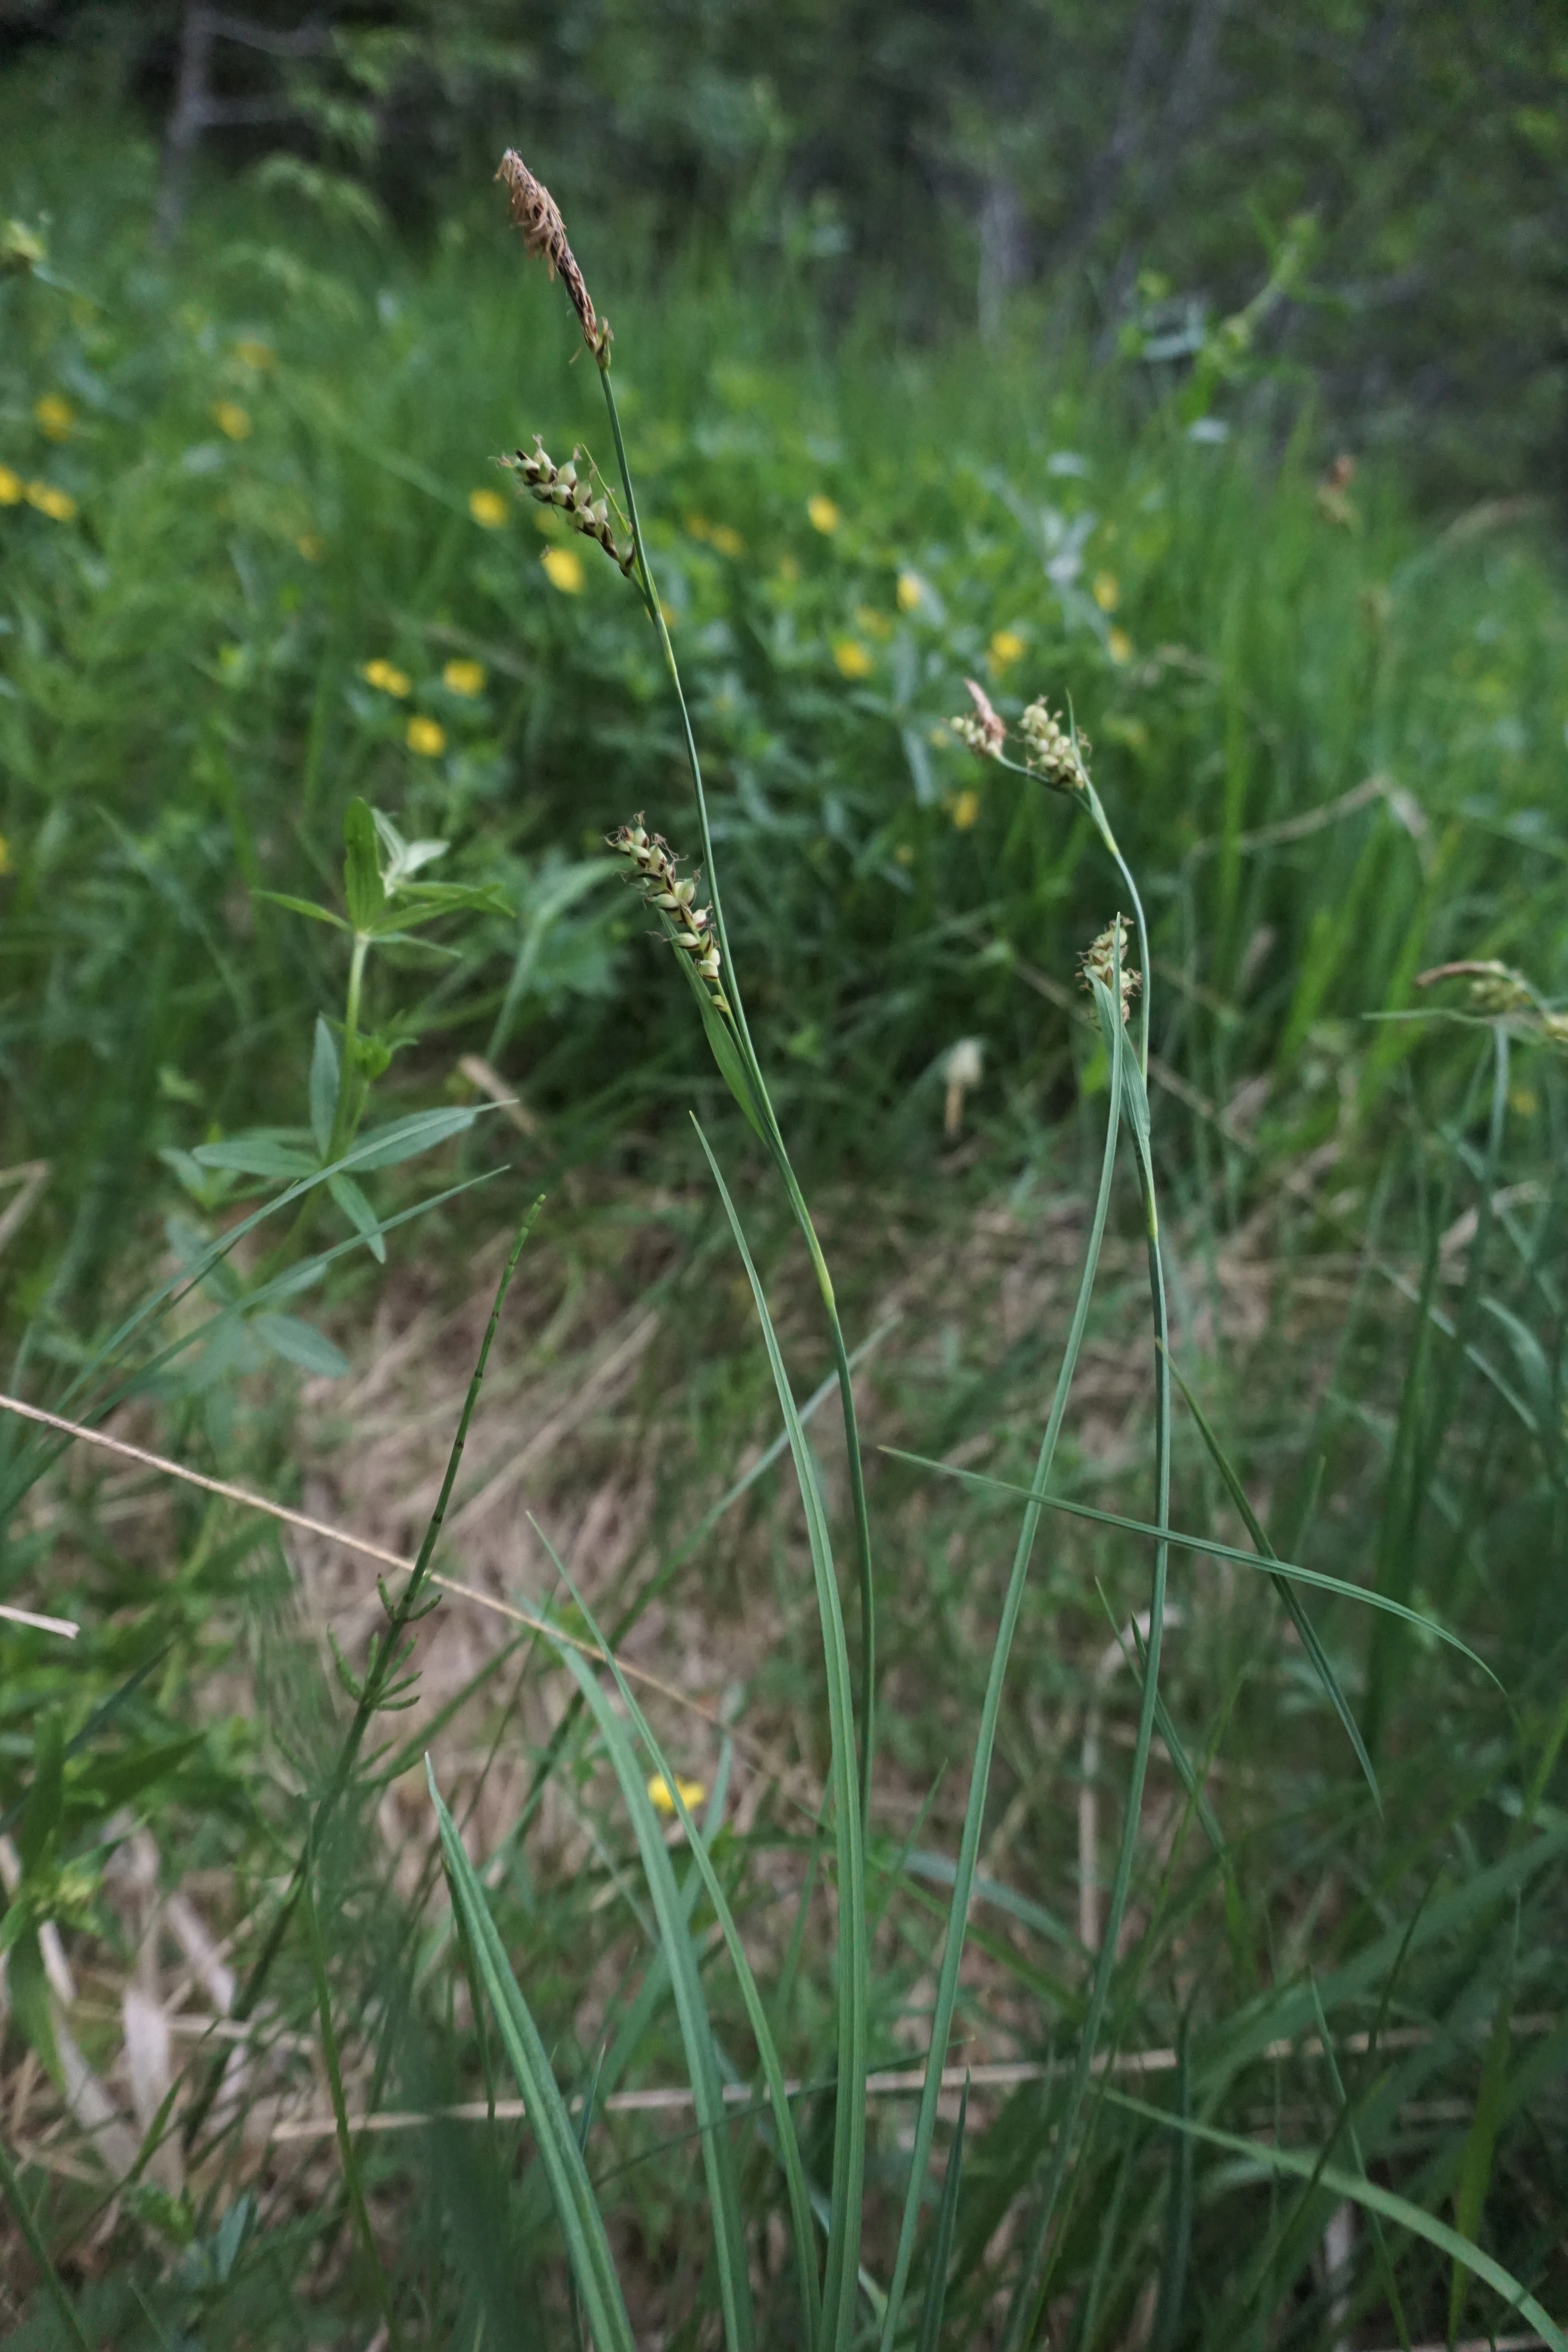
[[535, 212], [983, 729]]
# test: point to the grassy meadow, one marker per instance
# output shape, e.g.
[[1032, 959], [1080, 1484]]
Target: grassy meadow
[[319, 974]]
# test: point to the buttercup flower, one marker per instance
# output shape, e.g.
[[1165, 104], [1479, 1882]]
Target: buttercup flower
[[10, 490], [5, 855], [725, 539], [825, 516], [1007, 647], [426, 738], [911, 589], [230, 418], [965, 809], [488, 509], [59, 505], [1107, 591], [386, 675], [1119, 646], [465, 677], [255, 354], [691, 1793], [851, 658], [55, 417], [564, 569]]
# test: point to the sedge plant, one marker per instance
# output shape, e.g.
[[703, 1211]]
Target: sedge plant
[[836, 2297]]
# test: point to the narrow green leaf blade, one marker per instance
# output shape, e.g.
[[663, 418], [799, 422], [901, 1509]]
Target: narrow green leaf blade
[[985, 1746], [1306, 1630], [756, 2011], [1208, 1545], [1373, 2199], [841, 2284], [324, 1074], [363, 889], [935, 2304], [581, 2224], [691, 2009], [404, 1139]]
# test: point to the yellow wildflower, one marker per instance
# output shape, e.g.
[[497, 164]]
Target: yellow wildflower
[[465, 677], [230, 418], [488, 509], [386, 675], [911, 589], [726, 541], [256, 355], [965, 809], [311, 547], [10, 490], [852, 658], [1107, 591], [426, 737], [5, 855], [59, 505], [699, 527], [825, 515], [563, 568], [874, 624], [1522, 1099], [56, 417], [691, 1793], [1007, 647], [1119, 646]]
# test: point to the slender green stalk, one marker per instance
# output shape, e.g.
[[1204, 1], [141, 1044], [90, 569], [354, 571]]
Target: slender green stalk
[[379, 1679], [980, 1774], [353, 2173], [866, 1680], [1030, 2296]]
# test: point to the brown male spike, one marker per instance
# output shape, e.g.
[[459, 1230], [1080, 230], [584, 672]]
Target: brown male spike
[[535, 212]]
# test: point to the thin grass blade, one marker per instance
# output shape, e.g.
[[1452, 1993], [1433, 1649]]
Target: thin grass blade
[[841, 2282], [576, 2207], [691, 2009], [1307, 1632], [1373, 2199], [985, 1746], [756, 2011], [935, 2304], [1208, 1545]]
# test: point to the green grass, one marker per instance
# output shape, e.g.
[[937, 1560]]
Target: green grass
[[1349, 1968]]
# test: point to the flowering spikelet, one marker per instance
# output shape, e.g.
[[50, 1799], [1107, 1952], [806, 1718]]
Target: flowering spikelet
[[535, 212], [980, 729], [655, 865], [1109, 951], [1496, 991], [1051, 752], [559, 485]]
